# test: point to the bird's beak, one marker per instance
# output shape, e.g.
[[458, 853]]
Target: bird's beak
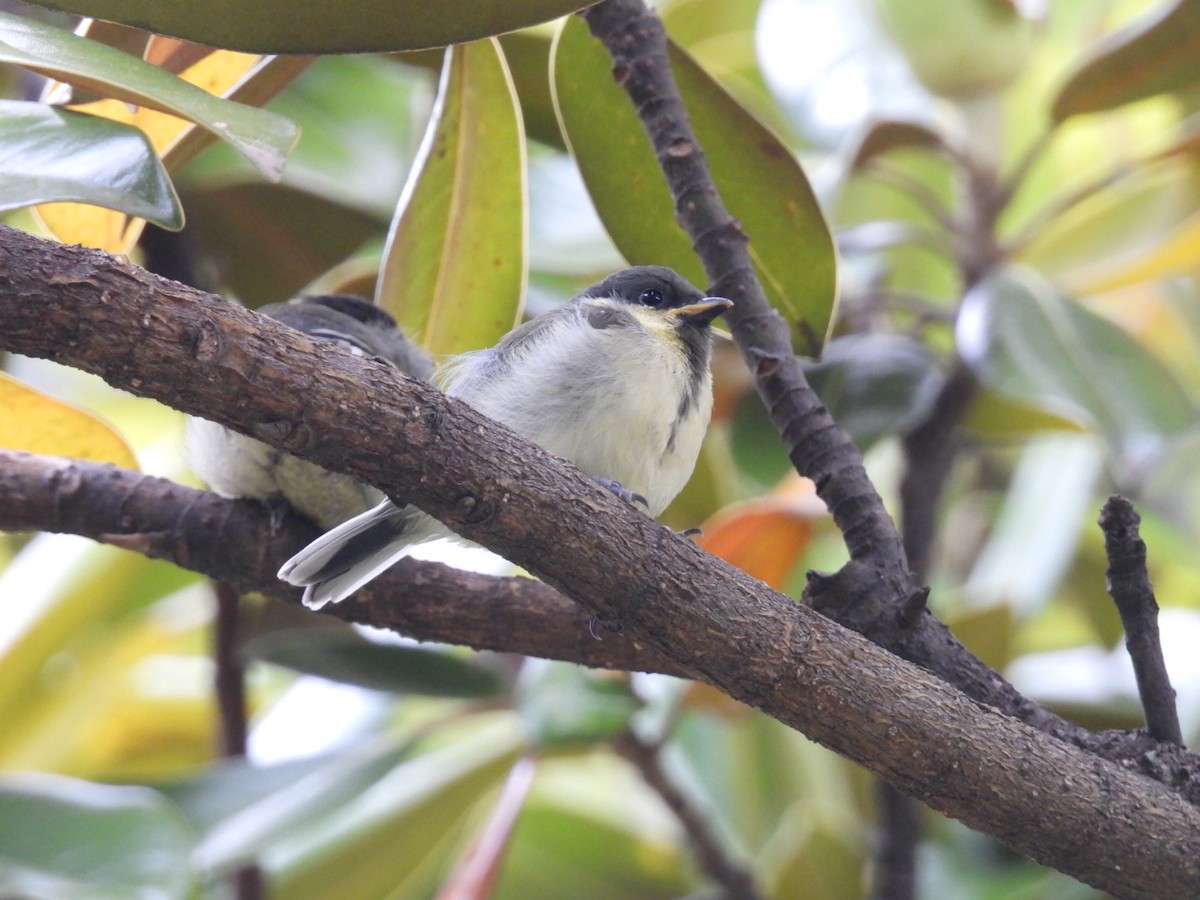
[[703, 312]]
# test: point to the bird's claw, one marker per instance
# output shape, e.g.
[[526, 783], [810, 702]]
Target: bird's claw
[[598, 627], [623, 492]]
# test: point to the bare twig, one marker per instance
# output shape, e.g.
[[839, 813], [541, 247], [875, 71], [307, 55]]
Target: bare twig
[[1131, 591], [734, 879]]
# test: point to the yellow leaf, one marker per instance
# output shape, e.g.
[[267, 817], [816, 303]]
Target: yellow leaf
[[1174, 255], [37, 423]]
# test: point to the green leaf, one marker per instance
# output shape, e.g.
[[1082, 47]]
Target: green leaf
[[760, 181], [960, 48], [345, 655], [262, 137], [352, 26], [875, 384], [995, 416], [563, 704], [299, 799], [49, 155], [66, 838], [393, 840], [1025, 340], [455, 265], [1157, 53]]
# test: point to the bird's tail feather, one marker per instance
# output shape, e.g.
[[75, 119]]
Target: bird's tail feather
[[345, 558]]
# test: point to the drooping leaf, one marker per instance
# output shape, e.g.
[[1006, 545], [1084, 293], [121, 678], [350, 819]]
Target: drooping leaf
[[760, 181], [1157, 53], [353, 26], [37, 423], [454, 269], [262, 137], [884, 136], [344, 655], [52, 155], [64, 837], [1024, 339]]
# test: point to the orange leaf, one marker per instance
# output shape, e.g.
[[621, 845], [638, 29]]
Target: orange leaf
[[764, 539]]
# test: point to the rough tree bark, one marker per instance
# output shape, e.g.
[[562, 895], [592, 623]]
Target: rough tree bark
[[1110, 827]]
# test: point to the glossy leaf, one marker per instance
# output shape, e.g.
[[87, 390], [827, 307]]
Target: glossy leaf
[[37, 423], [563, 704], [1025, 340], [69, 838], [760, 181], [354, 26], [346, 656], [50, 155], [236, 75], [262, 137], [454, 269], [1157, 53]]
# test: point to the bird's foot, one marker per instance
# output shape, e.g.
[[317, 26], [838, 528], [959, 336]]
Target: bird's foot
[[598, 627], [623, 492]]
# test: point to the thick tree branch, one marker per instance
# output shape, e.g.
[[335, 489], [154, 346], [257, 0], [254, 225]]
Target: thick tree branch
[[1129, 585], [1105, 825]]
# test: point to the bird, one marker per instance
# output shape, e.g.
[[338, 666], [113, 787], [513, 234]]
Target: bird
[[236, 466], [616, 381]]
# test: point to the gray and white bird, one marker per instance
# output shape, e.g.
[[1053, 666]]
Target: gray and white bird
[[617, 381], [236, 466]]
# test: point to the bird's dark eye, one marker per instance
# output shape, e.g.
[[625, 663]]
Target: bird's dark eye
[[651, 298]]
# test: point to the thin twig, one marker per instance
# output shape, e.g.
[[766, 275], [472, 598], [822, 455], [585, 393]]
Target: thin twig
[[735, 881], [229, 674], [1129, 585]]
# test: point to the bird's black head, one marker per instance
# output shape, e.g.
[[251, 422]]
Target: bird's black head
[[660, 288]]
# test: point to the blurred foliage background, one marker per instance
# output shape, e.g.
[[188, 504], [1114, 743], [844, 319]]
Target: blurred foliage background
[[1013, 191]]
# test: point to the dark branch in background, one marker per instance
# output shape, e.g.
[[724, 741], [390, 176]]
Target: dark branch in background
[[734, 880], [229, 671], [208, 357], [229, 688], [1129, 585]]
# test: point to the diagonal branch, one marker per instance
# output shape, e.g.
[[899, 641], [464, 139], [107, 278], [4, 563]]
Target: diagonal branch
[[1106, 825]]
